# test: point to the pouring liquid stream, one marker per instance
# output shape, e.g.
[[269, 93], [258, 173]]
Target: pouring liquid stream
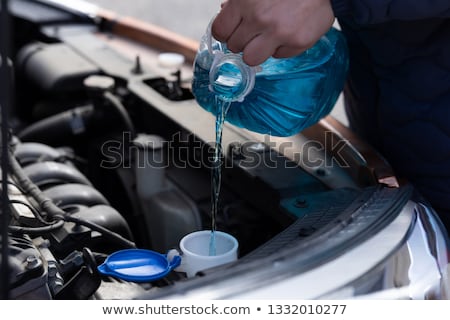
[[216, 174]]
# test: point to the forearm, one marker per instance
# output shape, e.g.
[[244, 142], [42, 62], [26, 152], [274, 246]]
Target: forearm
[[377, 11]]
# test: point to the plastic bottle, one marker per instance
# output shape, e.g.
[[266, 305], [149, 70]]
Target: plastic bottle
[[280, 97]]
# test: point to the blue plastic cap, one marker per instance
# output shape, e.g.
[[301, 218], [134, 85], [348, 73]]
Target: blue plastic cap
[[138, 265]]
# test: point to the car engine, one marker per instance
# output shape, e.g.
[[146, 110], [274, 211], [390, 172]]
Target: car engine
[[94, 168], [106, 151]]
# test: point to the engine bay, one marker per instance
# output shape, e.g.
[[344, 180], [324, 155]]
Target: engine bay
[[106, 154]]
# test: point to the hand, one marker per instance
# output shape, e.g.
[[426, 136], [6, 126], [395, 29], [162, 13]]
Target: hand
[[279, 28]]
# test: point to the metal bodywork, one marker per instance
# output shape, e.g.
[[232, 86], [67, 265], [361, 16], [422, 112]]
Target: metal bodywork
[[319, 215]]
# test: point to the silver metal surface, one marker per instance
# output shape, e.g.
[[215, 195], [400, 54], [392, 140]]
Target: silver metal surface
[[405, 260]]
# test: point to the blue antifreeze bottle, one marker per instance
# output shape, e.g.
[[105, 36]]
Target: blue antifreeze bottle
[[281, 97]]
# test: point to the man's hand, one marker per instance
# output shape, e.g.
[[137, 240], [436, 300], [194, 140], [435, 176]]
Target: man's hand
[[278, 28]]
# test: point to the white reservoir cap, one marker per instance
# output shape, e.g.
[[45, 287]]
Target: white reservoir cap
[[170, 60]]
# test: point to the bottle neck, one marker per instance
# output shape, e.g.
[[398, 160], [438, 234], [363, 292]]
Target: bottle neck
[[229, 77]]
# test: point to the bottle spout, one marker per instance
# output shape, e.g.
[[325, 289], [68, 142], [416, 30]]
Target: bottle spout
[[230, 78]]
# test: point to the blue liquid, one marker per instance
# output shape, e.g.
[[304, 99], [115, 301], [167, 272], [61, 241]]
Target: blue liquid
[[216, 171], [289, 94]]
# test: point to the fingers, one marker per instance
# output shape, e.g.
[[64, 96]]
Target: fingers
[[250, 32], [226, 22], [264, 28], [241, 37], [286, 52], [259, 49]]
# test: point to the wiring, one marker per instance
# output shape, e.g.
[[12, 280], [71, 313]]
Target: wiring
[[35, 231], [14, 185], [105, 232], [47, 205], [5, 101], [35, 212], [121, 111], [52, 226]]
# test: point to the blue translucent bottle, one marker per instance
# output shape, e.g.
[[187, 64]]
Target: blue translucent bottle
[[280, 97]]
